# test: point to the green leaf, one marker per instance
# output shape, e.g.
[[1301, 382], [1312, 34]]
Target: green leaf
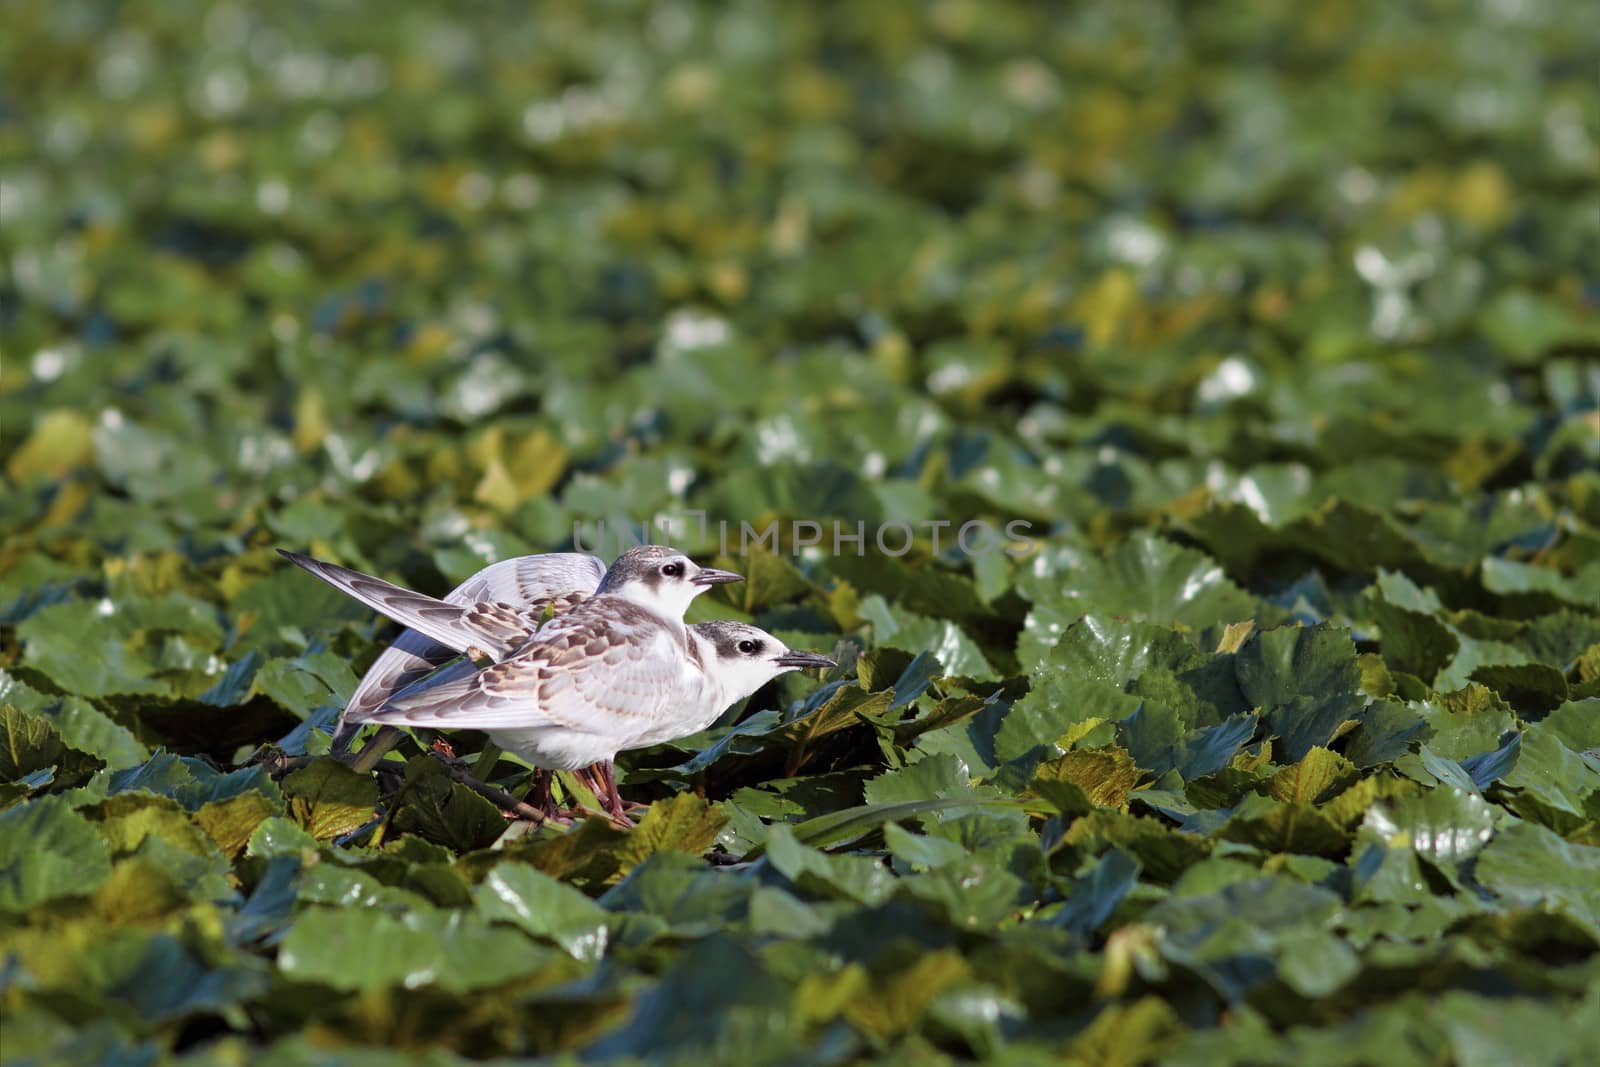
[[942, 640], [1088, 672], [1308, 681], [1216, 934], [361, 950], [80, 724], [1444, 826], [330, 799], [190, 781], [305, 683], [231, 822], [1552, 773], [1278, 666], [936, 776], [967, 895], [921, 850], [1490, 767], [1412, 641], [1319, 776], [1486, 1030], [1164, 853], [48, 851], [1577, 724], [52, 645], [1052, 707], [1386, 732], [1105, 775], [434, 805], [1116, 653], [59, 442], [1448, 772], [923, 670], [543, 907], [718, 998], [847, 707], [1316, 963], [1532, 686], [30, 743], [681, 823], [1095, 896], [856, 878], [1159, 740], [286, 600], [1506, 576], [147, 978], [1131, 1033], [1145, 578], [233, 688], [847, 823], [893, 1006], [680, 892], [1524, 324], [1272, 826], [1532, 867]]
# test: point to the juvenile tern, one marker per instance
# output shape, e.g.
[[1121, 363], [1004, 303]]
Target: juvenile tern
[[644, 594], [504, 599], [601, 679]]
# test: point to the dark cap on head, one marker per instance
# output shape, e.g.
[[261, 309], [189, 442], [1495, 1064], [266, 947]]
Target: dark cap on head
[[638, 564], [725, 635], [650, 565]]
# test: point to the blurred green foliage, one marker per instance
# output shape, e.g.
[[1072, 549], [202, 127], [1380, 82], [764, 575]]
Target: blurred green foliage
[[1276, 322]]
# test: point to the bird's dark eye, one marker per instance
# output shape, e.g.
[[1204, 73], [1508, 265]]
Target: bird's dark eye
[[749, 647], [672, 570]]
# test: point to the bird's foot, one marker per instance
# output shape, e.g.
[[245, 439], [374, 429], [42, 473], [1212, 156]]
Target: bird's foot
[[620, 821], [446, 754], [618, 813]]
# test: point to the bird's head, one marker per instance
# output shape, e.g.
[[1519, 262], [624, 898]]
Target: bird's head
[[744, 658], [661, 579]]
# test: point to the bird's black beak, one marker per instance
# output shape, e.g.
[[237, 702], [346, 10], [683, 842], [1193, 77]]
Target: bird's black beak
[[793, 658], [712, 576]]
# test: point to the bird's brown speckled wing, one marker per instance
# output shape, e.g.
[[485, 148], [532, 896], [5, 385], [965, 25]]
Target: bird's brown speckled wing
[[605, 666], [536, 585], [496, 629]]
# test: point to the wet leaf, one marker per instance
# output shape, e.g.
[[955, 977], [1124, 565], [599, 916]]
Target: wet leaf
[[369, 950], [1445, 825], [544, 907]]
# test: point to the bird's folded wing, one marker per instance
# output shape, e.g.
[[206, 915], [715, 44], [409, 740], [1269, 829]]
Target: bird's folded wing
[[412, 656], [426, 681], [594, 675], [523, 581], [552, 581], [496, 629]]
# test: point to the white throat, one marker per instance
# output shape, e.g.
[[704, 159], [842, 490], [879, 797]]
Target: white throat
[[706, 655], [669, 601]]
